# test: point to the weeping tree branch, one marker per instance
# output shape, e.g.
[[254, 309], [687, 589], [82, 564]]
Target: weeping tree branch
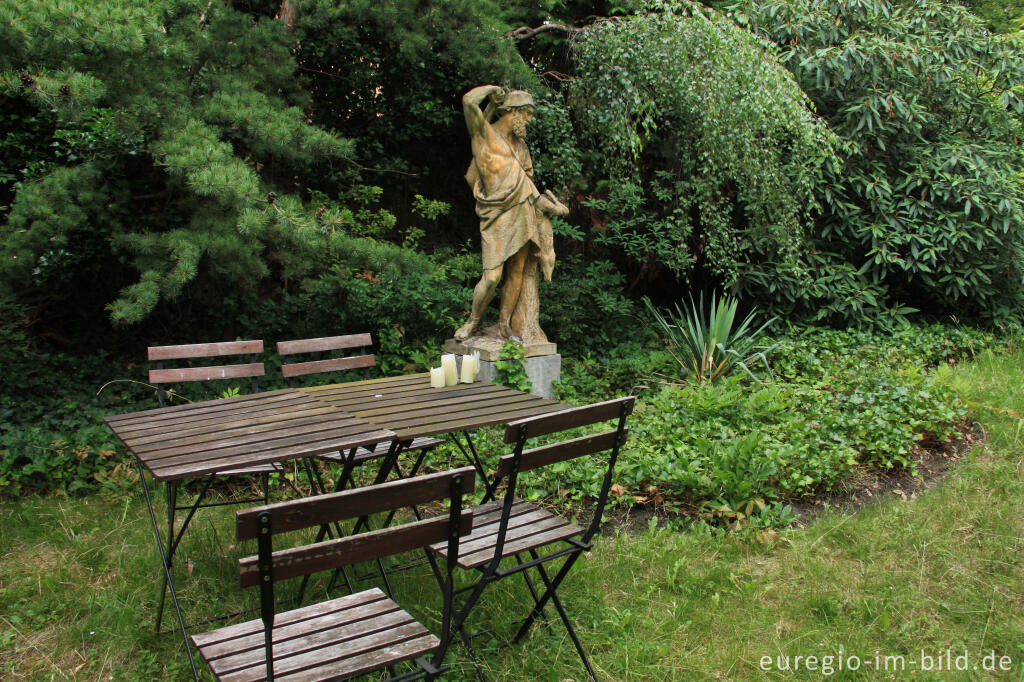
[[525, 32]]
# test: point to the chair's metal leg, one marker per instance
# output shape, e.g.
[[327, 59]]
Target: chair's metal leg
[[345, 478], [467, 641], [459, 619], [551, 586], [165, 562], [316, 484], [572, 634], [412, 472], [529, 583], [265, 482], [382, 475], [551, 589]]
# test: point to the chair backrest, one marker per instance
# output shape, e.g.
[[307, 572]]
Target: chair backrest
[[160, 375], [323, 345], [522, 431], [268, 566]]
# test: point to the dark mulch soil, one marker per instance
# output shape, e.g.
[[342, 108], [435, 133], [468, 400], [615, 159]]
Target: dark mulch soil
[[932, 459]]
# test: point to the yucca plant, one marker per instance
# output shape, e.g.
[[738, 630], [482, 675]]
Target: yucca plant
[[708, 346]]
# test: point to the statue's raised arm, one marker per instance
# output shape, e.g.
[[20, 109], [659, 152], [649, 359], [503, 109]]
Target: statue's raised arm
[[471, 101]]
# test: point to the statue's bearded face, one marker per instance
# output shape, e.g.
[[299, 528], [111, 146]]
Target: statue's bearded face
[[520, 117]]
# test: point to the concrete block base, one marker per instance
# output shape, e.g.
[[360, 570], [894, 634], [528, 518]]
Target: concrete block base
[[542, 370]]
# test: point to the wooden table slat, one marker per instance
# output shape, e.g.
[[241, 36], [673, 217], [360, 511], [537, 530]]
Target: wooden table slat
[[205, 432], [391, 410], [197, 439], [205, 406], [257, 445], [308, 448], [406, 395]]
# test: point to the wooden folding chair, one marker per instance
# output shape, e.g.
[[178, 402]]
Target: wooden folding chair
[[160, 376], [354, 634], [361, 360], [512, 528]]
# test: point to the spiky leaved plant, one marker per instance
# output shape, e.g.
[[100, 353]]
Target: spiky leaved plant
[[708, 345]]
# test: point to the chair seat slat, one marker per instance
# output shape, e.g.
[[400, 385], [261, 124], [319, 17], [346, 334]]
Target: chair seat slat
[[354, 606], [313, 635], [345, 659]]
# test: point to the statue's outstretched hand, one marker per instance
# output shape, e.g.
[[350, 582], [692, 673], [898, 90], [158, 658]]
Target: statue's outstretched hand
[[549, 203]]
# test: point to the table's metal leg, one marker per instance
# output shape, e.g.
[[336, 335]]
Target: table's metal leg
[[174, 540], [363, 522], [171, 497], [165, 562], [474, 459]]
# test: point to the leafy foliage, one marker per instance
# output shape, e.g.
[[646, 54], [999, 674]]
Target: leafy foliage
[[839, 401], [509, 367], [706, 149], [928, 207]]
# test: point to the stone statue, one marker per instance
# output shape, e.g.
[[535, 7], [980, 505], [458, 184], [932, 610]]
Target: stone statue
[[515, 218]]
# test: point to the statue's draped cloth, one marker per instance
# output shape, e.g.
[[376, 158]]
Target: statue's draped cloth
[[509, 218]]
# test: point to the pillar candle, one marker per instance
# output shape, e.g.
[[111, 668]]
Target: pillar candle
[[476, 364], [468, 371], [437, 377], [448, 363]]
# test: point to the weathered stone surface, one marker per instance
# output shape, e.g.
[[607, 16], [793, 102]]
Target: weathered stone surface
[[542, 370], [516, 234], [489, 348]]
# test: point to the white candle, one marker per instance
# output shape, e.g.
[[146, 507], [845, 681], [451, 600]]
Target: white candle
[[448, 363], [437, 377], [476, 364], [468, 371]]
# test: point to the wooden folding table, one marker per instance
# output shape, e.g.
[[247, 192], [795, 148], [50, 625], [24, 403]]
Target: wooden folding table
[[202, 439]]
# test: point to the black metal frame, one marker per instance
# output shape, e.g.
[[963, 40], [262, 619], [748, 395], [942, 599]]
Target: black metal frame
[[171, 494], [429, 669], [492, 572], [166, 560]]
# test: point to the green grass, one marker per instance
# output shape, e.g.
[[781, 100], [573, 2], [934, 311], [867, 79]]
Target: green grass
[[944, 570]]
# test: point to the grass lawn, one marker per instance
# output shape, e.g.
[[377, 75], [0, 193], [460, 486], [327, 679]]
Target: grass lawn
[[892, 588]]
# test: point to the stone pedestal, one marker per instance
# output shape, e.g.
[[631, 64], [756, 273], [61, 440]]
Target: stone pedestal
[[489, 347], [542, 368]]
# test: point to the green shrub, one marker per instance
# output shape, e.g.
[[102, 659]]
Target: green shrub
[[840, 400], [927, 208], [703, 149]]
